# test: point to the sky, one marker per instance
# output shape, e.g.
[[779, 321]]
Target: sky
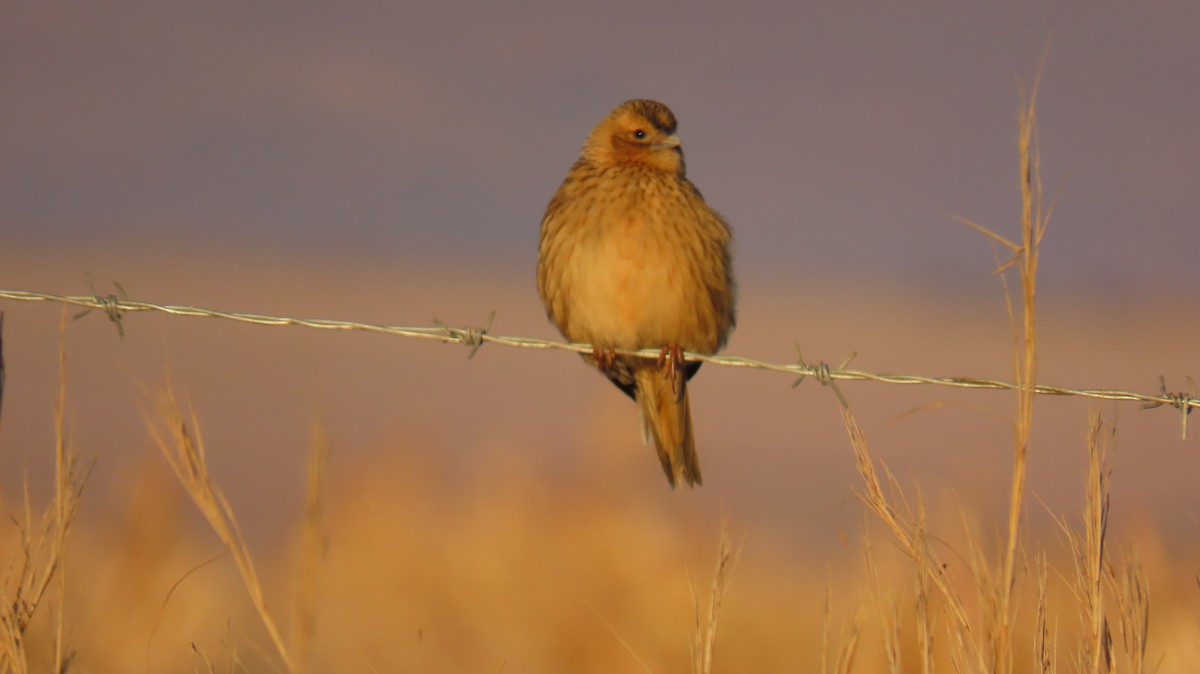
[[389, 162], [837, 139]]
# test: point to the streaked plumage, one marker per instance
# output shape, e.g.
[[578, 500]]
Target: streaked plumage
[[632, 257]]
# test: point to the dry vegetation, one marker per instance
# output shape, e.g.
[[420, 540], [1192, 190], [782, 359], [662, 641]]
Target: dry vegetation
[[391, 572]]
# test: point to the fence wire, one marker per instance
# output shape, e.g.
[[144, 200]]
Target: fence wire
[[116, 305]]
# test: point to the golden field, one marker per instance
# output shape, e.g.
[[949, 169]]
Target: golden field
[[371, 504], [501, 514]]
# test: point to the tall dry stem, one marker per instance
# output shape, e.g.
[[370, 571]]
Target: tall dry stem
[[42, 548], [1090, 557], [847, 651], [184, 450], [1131, 587], [995, 582], [64, 466], [908, 532], [886, 604], [312, 550], [1044, 648], [705, 627], [1034, 219], [1094, 572]]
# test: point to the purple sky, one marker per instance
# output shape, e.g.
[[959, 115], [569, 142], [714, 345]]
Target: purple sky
[[833, 139]]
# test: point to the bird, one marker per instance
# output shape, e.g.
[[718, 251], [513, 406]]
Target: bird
[[631, 257]]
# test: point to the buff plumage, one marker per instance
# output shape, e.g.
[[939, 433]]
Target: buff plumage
[[631, 257]]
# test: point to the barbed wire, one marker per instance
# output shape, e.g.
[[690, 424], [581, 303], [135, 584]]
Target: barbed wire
[[115, 306]]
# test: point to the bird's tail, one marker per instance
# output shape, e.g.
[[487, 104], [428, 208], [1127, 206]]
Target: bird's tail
[[667, 419]]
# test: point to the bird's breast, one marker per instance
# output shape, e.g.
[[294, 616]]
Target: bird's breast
[[641, 270]]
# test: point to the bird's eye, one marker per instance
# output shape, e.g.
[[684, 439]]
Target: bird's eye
[[639, 134]]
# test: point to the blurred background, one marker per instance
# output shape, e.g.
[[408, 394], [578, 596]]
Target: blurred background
[[390, 162]]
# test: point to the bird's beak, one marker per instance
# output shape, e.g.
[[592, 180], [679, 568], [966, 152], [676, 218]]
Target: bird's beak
[[669, 143]]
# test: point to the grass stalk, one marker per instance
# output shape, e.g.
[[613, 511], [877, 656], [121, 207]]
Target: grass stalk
[[42, 547], [312, 550], [184, 450], [704, 633]]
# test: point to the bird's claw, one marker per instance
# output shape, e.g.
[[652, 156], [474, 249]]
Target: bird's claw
[[670, 360], [604, 358]]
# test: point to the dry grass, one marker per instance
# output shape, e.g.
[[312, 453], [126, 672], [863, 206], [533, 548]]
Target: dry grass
[[35, 573], [985, 641], [982, 643], [394, 569], [183, 447], [312, 551], [417, 577], [704, 637]]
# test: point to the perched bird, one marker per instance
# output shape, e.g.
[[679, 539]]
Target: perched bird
[[631, 257]]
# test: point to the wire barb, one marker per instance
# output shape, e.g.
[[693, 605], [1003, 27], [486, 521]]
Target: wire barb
[[822, 374], [468, 336], [110, 304], [1184, 402], [115, 306]]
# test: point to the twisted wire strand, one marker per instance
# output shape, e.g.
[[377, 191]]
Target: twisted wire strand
[[115, 307]]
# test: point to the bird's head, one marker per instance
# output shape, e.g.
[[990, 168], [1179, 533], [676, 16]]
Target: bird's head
[[639, 132]]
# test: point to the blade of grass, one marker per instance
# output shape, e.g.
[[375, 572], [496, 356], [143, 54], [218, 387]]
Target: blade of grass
[[183, 448]]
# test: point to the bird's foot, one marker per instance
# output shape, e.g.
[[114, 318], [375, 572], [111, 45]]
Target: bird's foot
[[670, 359], [604, 358]]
